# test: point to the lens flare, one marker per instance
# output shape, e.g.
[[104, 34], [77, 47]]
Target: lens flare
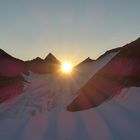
[[66, 67]]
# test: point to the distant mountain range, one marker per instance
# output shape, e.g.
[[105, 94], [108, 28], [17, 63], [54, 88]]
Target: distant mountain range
[[122, 71], [48, 65], [13, 67]]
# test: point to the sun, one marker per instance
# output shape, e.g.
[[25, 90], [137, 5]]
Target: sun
[[66, 67]]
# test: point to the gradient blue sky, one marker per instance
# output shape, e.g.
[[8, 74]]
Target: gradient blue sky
[[70, 29]]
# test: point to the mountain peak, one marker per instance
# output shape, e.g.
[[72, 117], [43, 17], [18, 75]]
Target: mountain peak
[[50, 55], [3, 53], [50, 58], [38, 58], [87, 60]]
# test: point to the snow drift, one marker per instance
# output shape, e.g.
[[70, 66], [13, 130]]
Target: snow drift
[[40, 111]]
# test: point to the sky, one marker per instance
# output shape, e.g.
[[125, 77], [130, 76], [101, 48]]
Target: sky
[[70, 29]]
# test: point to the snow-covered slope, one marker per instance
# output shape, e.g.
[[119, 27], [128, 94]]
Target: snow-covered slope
[[123, 71], [39, 113]]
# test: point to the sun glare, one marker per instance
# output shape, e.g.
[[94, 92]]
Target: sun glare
[[66, 67]]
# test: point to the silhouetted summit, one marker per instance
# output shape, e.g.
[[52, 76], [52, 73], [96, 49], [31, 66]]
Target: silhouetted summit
[[10, 66], [36, 60], [87, 60], [131, 45], [50, 58], [4, 55]]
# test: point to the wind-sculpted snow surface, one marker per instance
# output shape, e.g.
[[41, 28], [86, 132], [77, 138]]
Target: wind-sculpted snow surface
[[39, 112], [42, 93]]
